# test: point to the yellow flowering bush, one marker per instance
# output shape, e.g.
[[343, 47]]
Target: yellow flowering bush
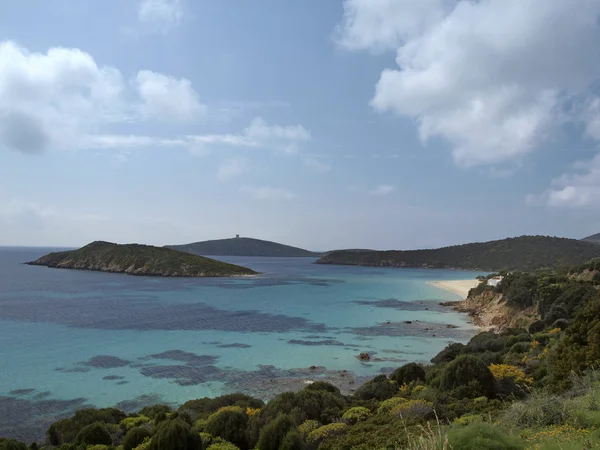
[[501, 371], [556, 433], [356, 414], [535, 344], [413, 408], [387, 405], [326, 431], [132, 422], [252, 411], [554, 331]]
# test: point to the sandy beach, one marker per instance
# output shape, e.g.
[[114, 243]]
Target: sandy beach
[[460, 287]]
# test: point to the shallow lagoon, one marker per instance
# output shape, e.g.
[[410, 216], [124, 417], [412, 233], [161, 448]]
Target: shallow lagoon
[[75, 338]]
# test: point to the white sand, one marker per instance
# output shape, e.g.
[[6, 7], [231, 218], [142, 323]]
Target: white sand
[[460, 287]]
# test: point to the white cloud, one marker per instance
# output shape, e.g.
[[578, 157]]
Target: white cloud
[[160, 15], [317, 163], [580, 189], [232, 167], [267, 193], [385, 24], [168, 98], [283, 138], [489, 77], [63, 98], [383, 189]]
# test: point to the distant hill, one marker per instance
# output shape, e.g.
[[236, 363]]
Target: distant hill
[[595, 238], [242, 246], [136, 259], [520, 253]]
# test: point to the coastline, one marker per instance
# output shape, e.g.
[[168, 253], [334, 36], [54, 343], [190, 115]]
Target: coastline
[[458, 287]]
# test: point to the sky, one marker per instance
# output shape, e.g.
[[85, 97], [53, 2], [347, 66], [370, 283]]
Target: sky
[[386, 124]]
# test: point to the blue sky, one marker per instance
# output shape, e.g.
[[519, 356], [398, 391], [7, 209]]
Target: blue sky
[[356, 123]]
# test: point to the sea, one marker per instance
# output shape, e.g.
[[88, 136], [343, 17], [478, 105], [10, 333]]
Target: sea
[[72, 339]]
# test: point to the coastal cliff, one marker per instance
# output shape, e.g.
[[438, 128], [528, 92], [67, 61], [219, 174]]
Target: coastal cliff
[[490, 311], [136, 259]]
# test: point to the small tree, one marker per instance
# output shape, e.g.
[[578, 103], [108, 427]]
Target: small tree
[[93, 434], [408, 373], [467, 370]]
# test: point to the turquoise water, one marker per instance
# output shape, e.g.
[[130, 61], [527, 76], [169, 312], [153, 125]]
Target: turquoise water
[[76, 338]]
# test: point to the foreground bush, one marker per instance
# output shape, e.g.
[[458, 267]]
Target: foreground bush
[[93, 434], [326, 431], [175, 435], [408, 373], [465, 370], [483, 436], [272, 435], [135, 437], [356, 414], [229, 423]]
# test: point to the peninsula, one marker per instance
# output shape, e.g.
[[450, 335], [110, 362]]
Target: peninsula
[[136, 259], [243, 246], [519, 253]]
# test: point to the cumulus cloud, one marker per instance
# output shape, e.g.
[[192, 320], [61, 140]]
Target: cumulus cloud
[[168, 98], [160, 15], [61, 98], [489, 77], [267, 193], [232, 167], [579, 189], [383, 189]]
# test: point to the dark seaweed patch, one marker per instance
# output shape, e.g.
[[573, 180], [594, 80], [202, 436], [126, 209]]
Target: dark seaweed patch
[[20, 392], [105, 362], [113, 377], [235, 345], [187, 357]]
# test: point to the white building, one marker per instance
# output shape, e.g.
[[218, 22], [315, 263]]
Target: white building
[[495, 281]]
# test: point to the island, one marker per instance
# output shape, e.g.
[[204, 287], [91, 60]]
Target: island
[[595, 238], [519, 253], [137, 259], [243, 246]]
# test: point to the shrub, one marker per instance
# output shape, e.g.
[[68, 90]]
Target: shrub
[[520, 347], [413, 408], [229, 423], [323, 386], [307, 427], [379, 388], [486, 341], [356, 414], [536, 327], [291, 441], [466, 369], [11, 444], [95, 433], [539, 410], [175, 435], [482, 436], [154, 410], [326, 431], [222, 445], [272, 435], [205, 406], [501, 371], [560, 323], [99, 447], [135, 421], [65, 430], [525, 337], [449, 353], [468, 419], [135, 437], [387, 405], [408, 373]]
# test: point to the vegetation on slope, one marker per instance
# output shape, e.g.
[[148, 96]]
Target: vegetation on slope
[[532, 388], [595, 238], [521, 253], [136, 259], [242, 246]]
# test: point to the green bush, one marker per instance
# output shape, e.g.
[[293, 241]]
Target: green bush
[[485, 341], [379, 388], [291, 441], [11, 444], [93, 434], [413, 408], [272, 435], [326, 431], [465, 370], [175, 435], [536, 327], [356, 414], [449, 353], [65, 430], [482, 436], [408, 373], [202, 408], [230, 424], [323, 386], [307, 427], [134, 421], [134, 437], [387, 405], [223, 445], [155, 410]]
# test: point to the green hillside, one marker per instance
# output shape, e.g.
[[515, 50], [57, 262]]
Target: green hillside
[[242, 246], [595, 238], [136, 259], [520, 253]]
